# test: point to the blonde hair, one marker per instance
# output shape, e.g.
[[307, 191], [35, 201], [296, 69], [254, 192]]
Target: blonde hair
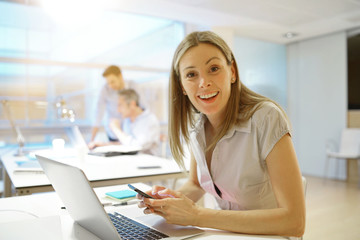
[[115, 70], [241, 105]]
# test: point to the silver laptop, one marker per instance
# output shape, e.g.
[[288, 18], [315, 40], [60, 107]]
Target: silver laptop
[[84, 207]]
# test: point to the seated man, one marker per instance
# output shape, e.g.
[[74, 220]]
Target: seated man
[[139, 127]]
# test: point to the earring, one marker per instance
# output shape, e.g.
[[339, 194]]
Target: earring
[[232, 79], [184, 92]]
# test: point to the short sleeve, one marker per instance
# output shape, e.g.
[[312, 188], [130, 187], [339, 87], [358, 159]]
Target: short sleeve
[[272, 125]]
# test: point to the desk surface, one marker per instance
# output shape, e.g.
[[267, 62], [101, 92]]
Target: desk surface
[[101, 171], [40, 216]]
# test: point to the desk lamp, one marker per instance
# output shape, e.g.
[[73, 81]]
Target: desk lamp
[[19, 137]]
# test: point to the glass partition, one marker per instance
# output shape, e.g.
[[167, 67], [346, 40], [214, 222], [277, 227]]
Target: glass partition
[[53, 60], [46, 59]]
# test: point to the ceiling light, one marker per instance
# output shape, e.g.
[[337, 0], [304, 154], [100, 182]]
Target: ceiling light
[[290, 35], [73, 13]]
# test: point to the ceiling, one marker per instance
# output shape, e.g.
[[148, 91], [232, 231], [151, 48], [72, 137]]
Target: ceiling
[[265, 20]]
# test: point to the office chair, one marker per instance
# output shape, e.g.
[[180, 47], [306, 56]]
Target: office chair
[[349, 148]]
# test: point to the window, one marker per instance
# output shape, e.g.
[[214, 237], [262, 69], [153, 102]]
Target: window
[[45, 59]]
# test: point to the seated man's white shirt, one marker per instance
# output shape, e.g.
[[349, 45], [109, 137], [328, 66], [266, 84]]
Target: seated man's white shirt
[[143, 132]]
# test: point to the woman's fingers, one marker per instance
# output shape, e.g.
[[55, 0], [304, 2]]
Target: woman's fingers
[[159, 205], [148, 211], [155, 190], [153, 209], [159, 192], [153, 206], [168, 193], [141, 204], [177, 209], [149, 192]]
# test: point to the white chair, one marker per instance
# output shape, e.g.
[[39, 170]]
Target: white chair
[[349, 148]]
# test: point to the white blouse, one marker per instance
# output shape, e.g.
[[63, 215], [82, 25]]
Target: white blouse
[[238, 166]]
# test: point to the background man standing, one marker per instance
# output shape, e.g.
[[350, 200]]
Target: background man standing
[[107, 102]]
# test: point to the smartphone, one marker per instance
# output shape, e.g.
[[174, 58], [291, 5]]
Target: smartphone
[[139, 191]]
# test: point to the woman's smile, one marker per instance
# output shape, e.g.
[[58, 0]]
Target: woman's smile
[[208, 96]]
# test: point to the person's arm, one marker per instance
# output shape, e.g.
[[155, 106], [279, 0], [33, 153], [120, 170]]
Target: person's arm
[[191, 188], [115, 126], [286, 220], [93, 145], [94, 131]]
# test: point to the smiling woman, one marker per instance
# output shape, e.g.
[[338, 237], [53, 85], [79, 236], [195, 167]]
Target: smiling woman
[[241, 146]]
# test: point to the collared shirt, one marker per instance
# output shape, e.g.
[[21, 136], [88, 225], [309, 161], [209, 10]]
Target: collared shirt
[[107, 103], [143, 132], [238, 166]]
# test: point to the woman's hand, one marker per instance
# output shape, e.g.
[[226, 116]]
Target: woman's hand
[[93, 145], [175, 207], [154, 194]]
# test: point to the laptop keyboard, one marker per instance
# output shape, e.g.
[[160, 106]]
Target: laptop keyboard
[[131, 230]]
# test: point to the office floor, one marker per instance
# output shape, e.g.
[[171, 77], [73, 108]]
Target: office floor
[[333, 210]]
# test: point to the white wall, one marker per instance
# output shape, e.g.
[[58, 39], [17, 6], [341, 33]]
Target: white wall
[[317, 98], [262, 67]]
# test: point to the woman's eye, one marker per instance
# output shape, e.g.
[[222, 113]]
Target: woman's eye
[[214, 69], [190, 75]]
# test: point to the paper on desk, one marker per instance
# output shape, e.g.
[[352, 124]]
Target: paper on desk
[[28, 166]]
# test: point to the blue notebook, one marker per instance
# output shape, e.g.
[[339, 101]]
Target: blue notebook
[[122, 194]]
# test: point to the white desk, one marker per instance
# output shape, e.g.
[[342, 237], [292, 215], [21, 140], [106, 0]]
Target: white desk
[[101, 171], [40, 216]]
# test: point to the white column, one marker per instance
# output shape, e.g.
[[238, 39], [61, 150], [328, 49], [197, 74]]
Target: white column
[[317, 98]]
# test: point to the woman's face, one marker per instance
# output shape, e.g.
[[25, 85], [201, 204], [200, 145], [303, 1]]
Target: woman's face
[[206, 78]]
